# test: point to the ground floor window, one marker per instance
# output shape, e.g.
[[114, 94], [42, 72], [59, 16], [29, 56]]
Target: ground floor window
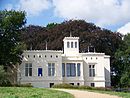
[[78, 69], [28, 69], [51, 69], [71, 69], [91, 70], [63, 69], [92, 84], [39, 71]]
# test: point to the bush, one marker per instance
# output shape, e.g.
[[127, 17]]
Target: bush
[[64, 85], [69, 86], [5, 83], [22, 85]]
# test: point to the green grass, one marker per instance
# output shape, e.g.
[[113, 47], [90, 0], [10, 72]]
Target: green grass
[[24, 92], [120, 94], [93, 89]]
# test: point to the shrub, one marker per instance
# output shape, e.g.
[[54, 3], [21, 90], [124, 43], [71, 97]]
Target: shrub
[[69, 86], [63, 85], [5, 83], [22, 85]]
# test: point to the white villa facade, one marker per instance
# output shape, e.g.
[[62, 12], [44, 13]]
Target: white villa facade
[[44, 68]]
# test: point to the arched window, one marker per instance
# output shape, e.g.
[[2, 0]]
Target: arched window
[[68, 44], [71, 44], [75, 44]]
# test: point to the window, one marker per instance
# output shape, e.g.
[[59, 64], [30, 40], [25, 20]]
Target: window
[[75, 44], [28, 56], [63, 69], [28, 69], [72, 83], [71, 69], [51, 84], [39, 56], [68, 44], [91, 70], [34, 56], [51, 56], [71, 44], [78, 84], [56, 56], [78, 69], [92, 84], [45, 56], [51, 69], [39, 71]]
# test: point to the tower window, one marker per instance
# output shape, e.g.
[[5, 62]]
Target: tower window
[[75, 44], [68, 44], [71, 44]]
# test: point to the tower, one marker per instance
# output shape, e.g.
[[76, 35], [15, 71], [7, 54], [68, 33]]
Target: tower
[[71, 45]]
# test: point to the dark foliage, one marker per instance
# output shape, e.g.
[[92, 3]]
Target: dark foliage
[[90, 35]]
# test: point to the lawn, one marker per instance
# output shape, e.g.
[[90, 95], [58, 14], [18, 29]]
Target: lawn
[[24, 92], [120, 94]]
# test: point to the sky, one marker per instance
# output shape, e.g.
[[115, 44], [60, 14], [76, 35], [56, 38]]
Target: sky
[[110, 14]]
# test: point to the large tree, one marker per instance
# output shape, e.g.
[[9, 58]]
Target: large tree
[[11, 23], [122, 63]]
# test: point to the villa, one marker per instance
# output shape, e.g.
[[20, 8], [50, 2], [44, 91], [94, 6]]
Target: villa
[[44, 68]]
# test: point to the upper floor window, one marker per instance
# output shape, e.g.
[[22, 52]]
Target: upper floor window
[[68, 44], [71, 44], [51, 69], [91, 70], [28, 69], [75, 44], [39, 71], [39, 56]]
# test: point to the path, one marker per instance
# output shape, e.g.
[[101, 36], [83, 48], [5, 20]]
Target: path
[[86, 94]]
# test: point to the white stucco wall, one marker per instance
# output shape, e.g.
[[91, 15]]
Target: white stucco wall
[[70, 55]]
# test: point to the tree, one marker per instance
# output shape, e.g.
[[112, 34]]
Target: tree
[[3, 77], [122, 63], [11, 23]]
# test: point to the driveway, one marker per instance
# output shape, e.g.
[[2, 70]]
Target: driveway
[[86, 94]]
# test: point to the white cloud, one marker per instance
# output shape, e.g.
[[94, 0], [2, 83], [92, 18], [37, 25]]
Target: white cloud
[[102, 12], [32, 7], [124, 29]]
